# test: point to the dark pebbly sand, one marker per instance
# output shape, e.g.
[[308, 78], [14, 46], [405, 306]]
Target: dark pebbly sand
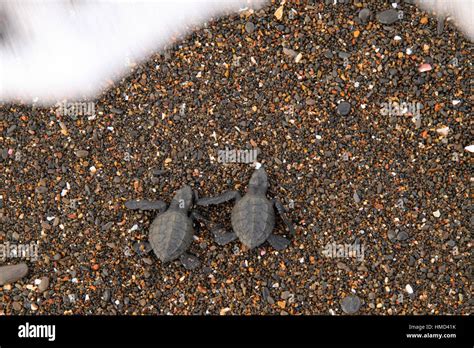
[[394, 182]]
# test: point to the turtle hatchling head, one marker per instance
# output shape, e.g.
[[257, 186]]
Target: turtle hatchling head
[[258, 182], [183, 199]]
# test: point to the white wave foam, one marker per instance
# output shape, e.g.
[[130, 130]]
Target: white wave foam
[[60, 49]]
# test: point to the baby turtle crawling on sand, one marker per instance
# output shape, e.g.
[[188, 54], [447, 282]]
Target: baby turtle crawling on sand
[[253, 216], [171, 232]]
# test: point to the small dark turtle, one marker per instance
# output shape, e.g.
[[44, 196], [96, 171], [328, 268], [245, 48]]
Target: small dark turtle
[[253, 216], [172, 231]]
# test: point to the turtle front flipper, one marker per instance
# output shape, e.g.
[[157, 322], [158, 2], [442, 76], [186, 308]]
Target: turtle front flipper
[[189, 261], [221, 236], [146, 205], [281, 211], [278, 242], [224, 197]]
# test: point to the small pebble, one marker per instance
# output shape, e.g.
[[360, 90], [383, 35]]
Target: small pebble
[[343, 108], [43, 285], [350, 304], [249, 27], [81, 153], [12, 273], [387, 17], [401, 236], [424, 67], [469, 148], [17, 306], [356, 197]]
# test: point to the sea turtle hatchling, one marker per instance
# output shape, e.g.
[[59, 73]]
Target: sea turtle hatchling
[[253, 216], [171, 232]]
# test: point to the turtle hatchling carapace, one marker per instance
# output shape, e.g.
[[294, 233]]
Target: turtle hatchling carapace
[[171, 232]]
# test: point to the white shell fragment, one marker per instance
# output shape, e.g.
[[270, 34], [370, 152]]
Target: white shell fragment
[[469, 148], [443, 131], [424, 67]]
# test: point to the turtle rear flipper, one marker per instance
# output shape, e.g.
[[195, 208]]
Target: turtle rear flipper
[[146, 205], [281, 211], [278, 242], [195, 216], [189, 261], [224, 197], [223, 237]]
